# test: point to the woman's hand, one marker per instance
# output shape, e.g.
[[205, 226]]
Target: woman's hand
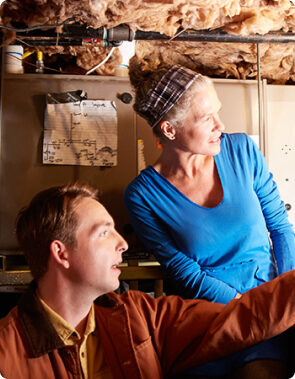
[[238, 295]]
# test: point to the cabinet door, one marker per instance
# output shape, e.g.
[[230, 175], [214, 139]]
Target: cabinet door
[[281, 141], [22, 171]]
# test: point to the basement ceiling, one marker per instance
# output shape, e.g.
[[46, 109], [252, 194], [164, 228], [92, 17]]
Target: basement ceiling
[[168, 17]]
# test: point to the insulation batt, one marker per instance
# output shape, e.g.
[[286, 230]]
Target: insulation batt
[[234, 16], [89, 56], [218, 59]]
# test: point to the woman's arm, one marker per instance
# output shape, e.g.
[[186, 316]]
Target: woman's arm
[[185, 271], [273, 208]]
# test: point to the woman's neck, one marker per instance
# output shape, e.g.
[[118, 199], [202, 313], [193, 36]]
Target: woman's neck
[[196, 176], [172, 163]]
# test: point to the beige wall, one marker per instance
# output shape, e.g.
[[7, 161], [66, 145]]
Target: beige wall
[[23, 174]]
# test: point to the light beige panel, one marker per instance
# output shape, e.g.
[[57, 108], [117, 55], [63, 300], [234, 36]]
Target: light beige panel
[[22, 171], [281, 141], [239, 111]]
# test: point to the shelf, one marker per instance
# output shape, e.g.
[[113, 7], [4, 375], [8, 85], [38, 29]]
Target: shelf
[[19, 280], [7, 76], [100, 78]]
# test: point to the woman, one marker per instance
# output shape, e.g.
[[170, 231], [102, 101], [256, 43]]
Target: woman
[[206, 208]]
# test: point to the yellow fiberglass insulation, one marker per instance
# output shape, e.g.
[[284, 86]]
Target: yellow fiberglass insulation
[[241, 17]]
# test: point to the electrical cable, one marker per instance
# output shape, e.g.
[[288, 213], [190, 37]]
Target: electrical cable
[[88, 72], [102, 62], [45, 67], [23, 42], [49, 26], [34, 65]]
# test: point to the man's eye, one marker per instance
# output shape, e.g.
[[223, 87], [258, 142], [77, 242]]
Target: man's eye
[[103, 234]]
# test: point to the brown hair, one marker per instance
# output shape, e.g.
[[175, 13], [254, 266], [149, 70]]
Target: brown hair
[[49, 216], [177, 114]]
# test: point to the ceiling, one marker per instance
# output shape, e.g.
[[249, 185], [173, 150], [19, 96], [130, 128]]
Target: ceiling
[[233, 60]]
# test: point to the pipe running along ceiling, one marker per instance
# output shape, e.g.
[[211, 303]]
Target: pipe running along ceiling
[[198, 24]]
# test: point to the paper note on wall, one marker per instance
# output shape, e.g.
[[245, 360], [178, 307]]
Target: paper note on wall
[[81, 133]]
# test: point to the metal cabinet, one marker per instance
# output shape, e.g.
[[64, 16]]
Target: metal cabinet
[[22, 172]]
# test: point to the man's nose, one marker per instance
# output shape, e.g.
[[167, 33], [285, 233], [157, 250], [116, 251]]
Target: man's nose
[[122, 244]]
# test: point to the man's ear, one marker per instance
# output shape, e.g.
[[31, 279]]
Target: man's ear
[[168, 130], [60, 253]]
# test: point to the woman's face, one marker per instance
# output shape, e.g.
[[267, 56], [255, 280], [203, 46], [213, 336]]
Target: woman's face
[[202, 127]]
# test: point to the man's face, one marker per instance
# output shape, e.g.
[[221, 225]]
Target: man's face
[[98, 250]]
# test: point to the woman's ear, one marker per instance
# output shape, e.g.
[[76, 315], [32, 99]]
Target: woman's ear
[[60, 253], [168, 130]]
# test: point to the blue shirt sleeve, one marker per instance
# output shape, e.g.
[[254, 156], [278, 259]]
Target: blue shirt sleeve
[[185, 271], [273, 208]]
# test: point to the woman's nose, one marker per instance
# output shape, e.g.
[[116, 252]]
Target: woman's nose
[[219, 124]]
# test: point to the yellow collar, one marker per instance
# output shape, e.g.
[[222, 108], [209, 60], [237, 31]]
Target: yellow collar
[[64, 330]]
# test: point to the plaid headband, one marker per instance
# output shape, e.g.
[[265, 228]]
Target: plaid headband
[[167, 92]]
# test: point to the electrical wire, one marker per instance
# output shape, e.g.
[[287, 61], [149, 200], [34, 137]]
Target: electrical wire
[[32, 64], [177, 34], [88, 72], [45, 67], [25, 43], [50, 26], [102, 62]]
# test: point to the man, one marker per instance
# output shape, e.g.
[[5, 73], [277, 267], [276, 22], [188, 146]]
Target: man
[[57, 331]]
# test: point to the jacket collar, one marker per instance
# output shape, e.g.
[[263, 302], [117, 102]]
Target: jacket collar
[[107, 301], [40, 334]]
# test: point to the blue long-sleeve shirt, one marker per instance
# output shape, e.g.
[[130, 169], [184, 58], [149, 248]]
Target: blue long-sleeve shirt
[[213, 253]]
